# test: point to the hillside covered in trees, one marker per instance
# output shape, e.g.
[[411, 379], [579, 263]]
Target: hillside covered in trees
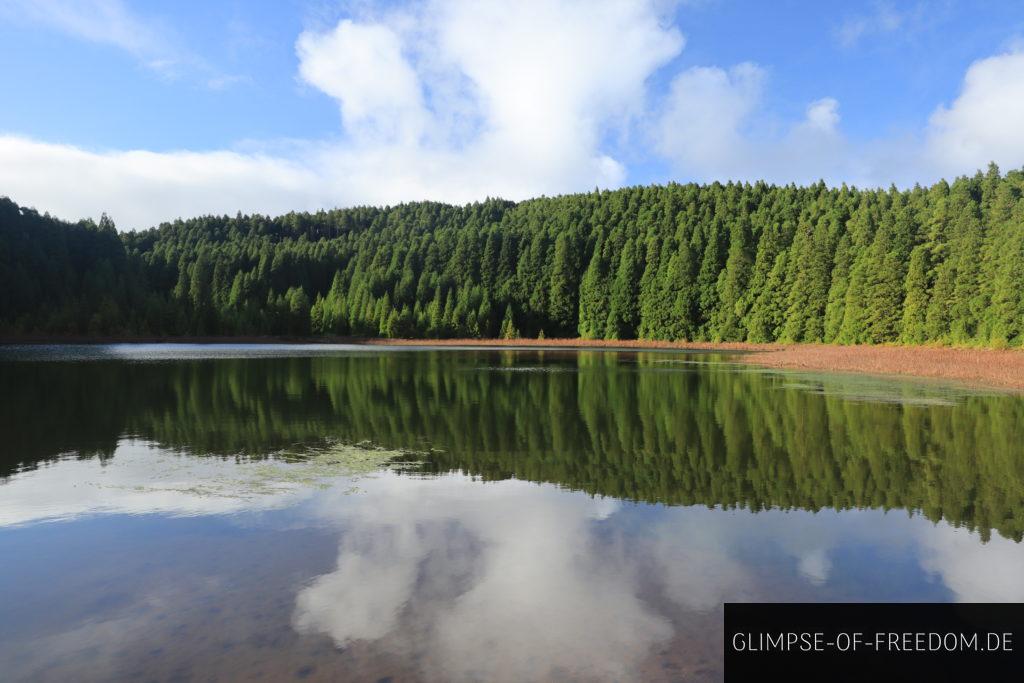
[[712, 262]]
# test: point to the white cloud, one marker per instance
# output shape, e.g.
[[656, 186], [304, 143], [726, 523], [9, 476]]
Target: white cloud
[[107, 22], [148, 39], [712, 127], [362, 66], [547, 83], [455, 100], [140, 188], [100, 21], [706, 111], [892, 21], [715, 126], [984, 122], [460, 99], [823, 115]]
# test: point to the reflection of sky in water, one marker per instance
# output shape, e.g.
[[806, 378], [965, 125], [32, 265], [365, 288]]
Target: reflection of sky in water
[[161, 559], [160, 562], [176, 352]]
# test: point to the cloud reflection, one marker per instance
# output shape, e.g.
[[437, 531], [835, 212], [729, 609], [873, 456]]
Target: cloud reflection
[[142, 478], [973, 572], [512, 580], [540, 597]]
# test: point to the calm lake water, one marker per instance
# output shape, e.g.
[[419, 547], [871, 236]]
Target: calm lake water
[[173, 512]]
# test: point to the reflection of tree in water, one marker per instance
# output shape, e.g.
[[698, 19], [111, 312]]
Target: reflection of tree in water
[[624, 425]]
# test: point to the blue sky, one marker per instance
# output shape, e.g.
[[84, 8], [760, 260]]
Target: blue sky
[[154, 110]]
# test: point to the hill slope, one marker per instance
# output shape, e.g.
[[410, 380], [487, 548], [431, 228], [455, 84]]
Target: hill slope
[[717, 262]]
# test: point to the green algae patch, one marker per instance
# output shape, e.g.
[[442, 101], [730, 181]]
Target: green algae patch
[[317, 466], [322, 466]]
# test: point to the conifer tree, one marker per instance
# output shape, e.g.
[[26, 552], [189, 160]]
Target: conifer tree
[[835, 306], [681, 295], [916, 288], [882, 301], [809, 283], [731, 285], [707, 282], [967, 301], [768, 311], [1006, 310], [508, 327], [316, 316], [435, 316], [594, 294], [623, 311], [650, 302], [563, 302]]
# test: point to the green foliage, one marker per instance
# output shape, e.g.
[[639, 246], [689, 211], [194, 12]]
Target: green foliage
[[563, 302], [738, 262], [624, 311], [835, 306], [594, 295], [508, 327], [732, 282], [915, 303]]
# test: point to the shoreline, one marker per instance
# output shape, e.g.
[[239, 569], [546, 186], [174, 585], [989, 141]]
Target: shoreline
[[991, 368], [983, 368]]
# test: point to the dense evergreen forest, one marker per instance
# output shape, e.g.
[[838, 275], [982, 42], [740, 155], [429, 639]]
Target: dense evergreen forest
[[697, 262]]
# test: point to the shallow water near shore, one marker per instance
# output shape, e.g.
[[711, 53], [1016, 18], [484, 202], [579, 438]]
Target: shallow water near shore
[[223, 512]]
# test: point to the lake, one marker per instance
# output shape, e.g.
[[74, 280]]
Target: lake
[[272, 512]]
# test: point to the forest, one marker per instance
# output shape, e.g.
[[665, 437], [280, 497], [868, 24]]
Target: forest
[[718, 262]]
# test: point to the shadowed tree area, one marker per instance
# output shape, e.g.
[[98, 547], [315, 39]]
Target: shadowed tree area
[[695, 262], [638, 426]]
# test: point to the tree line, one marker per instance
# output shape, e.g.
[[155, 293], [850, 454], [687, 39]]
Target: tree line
[[718, 262]]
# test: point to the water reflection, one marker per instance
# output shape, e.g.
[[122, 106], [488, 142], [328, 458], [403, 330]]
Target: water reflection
[[502, 581], [519, 516], [441, 578], [650, 427], [513, 581], [146, 479]]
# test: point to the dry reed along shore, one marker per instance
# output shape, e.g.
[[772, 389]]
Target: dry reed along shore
[[997, 368]]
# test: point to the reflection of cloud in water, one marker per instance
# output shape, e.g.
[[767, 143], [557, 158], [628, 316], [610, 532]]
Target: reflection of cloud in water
[[144, 479], [690, 553], [178, 351], [533, 583], [974, 572], [515, 580], [815, 565], [519, 581]]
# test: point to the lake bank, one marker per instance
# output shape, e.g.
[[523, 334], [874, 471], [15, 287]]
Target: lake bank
[[999, 368]]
